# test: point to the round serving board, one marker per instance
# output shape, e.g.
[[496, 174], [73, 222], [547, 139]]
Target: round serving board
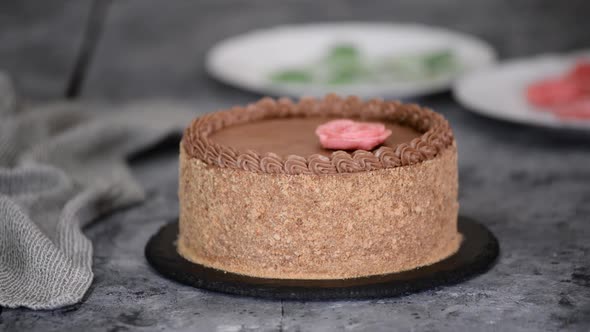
[[476, 255]]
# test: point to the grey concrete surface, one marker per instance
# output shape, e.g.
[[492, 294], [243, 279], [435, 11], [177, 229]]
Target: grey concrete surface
[[530, 186]]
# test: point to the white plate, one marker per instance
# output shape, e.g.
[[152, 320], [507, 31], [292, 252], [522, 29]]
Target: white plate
[[499, 92], [247, 61]]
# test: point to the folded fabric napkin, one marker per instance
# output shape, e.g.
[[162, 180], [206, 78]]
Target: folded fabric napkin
[[62, 166]]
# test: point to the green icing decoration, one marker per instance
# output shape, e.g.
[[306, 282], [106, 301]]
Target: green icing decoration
[[345, 64]]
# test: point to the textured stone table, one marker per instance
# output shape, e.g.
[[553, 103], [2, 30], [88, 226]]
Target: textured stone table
[[530, 186]]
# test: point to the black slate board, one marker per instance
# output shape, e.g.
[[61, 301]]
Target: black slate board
[[477, 254]]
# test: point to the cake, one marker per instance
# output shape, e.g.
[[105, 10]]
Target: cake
[[260, 196]]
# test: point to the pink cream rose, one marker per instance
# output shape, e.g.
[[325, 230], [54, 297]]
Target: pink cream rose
[[344, 134]]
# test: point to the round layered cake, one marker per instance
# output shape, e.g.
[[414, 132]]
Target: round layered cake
[[260, 195]]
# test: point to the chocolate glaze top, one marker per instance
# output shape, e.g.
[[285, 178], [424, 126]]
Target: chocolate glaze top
[[292, 136], [277, 136]]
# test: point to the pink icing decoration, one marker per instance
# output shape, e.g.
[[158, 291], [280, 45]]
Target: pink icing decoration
[[344, 134]]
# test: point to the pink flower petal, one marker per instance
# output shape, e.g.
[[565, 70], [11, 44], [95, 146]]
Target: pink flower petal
[[344, 134], [577, 110]]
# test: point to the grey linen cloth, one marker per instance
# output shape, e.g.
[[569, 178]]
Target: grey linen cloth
[[61, 167]]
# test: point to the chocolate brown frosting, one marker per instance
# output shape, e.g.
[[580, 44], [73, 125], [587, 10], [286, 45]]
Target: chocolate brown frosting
[[436, 135]]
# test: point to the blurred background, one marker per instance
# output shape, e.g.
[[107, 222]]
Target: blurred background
[[129, 49]]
